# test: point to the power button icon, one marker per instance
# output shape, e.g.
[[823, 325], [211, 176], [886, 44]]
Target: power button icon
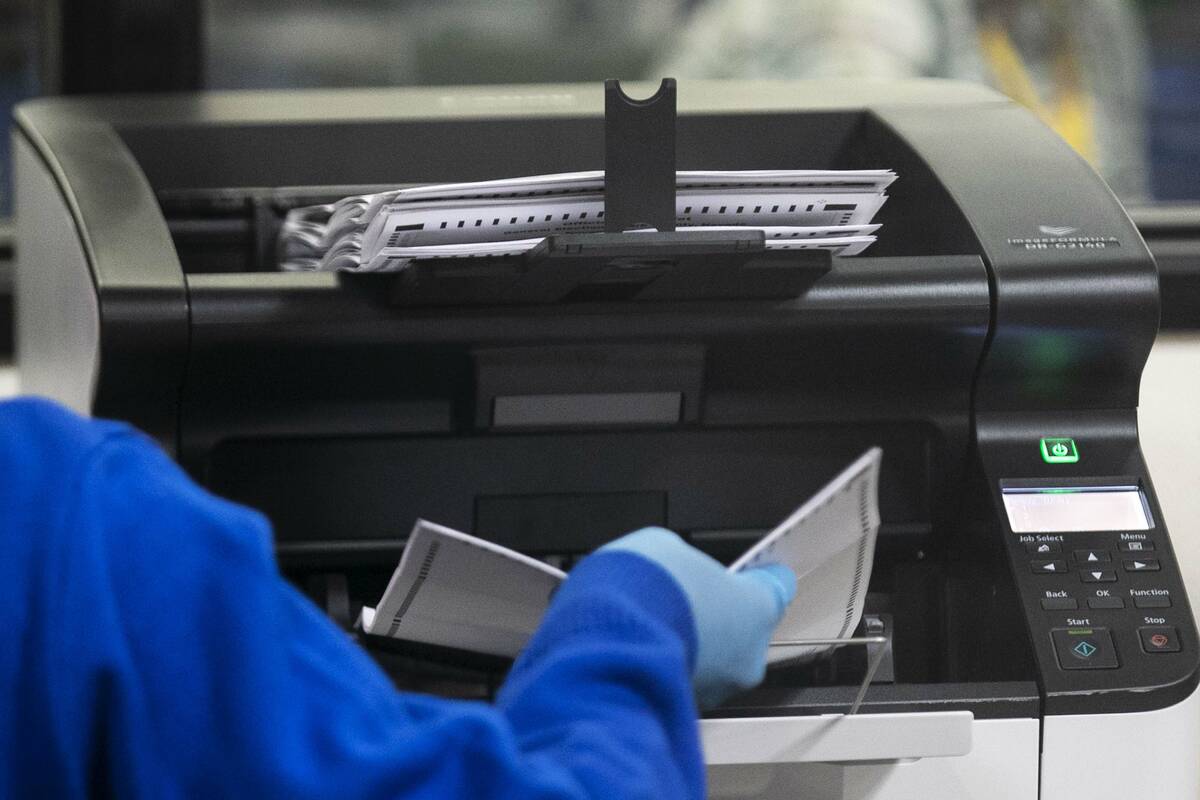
[[1059, 450]]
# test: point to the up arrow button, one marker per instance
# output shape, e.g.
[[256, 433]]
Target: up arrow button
[[1091, 557]]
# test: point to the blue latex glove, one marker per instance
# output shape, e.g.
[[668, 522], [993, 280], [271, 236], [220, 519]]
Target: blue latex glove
[[734, 613]]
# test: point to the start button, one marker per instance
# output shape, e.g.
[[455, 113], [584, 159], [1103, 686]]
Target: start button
[[1084, 648]]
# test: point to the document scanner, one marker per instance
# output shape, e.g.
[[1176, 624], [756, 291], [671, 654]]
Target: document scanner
[[1039, 637]]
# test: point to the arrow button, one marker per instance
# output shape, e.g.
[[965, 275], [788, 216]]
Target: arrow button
[[1048, 567], [1144, 565], [1089, 557], [1097, 576]]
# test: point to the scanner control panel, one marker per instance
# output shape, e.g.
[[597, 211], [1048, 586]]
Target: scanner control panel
[[1099, 581], [1094, 583]]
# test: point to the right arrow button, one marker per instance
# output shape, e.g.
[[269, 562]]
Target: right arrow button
[[1143, 565]]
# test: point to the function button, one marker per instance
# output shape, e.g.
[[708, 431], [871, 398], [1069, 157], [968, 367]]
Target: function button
[[1146, 546], [1060, 604], [1085, 557], [1105, 602], [1143, 565], [1097, 576], [1048, 567], [1159, 639], [1043, 548], [1084, 648], [1152, 601]]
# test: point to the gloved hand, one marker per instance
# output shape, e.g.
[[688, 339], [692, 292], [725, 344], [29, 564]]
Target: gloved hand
[[735, 613]]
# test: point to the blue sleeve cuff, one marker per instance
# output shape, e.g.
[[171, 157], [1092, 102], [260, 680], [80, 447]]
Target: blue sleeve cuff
[[649, 594]]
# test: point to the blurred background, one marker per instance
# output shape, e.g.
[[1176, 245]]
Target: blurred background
[[1118, 79]]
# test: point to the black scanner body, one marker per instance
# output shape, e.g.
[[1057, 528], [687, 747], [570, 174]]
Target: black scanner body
[[1009, 298]]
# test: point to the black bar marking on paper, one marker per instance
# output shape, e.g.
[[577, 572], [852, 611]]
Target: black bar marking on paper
[[864, 521], [422, 574]]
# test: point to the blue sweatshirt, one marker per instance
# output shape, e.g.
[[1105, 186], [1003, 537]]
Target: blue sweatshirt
[[150, 648]]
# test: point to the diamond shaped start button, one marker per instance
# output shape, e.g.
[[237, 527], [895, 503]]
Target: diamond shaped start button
[[1084, 649]]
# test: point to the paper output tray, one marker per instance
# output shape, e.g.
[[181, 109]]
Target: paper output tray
[[617, 267], [842, 738], [836, 738]]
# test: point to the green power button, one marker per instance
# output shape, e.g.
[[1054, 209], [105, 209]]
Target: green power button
[[1059, 451]]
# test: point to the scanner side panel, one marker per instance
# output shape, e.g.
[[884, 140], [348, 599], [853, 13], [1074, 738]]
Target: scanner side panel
[[1075, 312], [1148, 754], [1076, 291], [135, 274], [58, 320]]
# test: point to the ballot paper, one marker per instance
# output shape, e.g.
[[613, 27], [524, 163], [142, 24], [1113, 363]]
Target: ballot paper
[[454, 222], [457, 590], [829, 542], [391, 259], [361, 233], [873, 181]]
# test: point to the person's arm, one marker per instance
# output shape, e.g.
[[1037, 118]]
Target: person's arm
[[154, 650]]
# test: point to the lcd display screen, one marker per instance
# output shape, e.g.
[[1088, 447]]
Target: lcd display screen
[[1067, 509]]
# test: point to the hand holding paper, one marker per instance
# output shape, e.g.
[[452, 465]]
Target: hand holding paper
[[456, 590], [735, 613]]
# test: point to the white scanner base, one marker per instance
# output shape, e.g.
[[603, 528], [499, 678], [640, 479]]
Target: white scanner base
[[952, 756]]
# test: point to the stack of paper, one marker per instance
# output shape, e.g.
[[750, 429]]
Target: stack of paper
[[456, 590], [795, 209]]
